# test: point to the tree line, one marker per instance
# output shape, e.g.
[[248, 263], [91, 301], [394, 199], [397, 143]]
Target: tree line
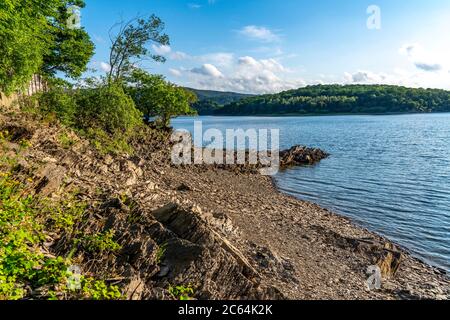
[[342, 99]]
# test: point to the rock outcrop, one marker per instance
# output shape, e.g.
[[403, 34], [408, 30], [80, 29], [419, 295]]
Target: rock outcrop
[[300, 155]]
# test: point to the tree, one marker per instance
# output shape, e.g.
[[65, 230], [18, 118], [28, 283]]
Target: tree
[[23, 41], [33, 38], [129, 45], [71, 48], [155, 97], [341, 99]]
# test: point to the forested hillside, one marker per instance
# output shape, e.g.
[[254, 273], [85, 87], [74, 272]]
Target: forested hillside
[[339, 99], [209, 101]]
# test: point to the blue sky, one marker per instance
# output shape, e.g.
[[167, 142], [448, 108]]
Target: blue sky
[[261, 46]]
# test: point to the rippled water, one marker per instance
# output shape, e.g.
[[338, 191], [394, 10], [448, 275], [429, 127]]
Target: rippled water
[[390, 174]]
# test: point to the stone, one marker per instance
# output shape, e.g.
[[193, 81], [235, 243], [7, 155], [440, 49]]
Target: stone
[[49, 179], [300, 155], [389, 261]]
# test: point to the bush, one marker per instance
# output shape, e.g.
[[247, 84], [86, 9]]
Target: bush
[[107, 108], [61, 103]]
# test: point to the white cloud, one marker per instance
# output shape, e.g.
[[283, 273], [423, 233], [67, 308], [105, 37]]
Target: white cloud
[[161, 50], [259, 33], [245, 74], [428, 66], [221, 59], [175, 72], [166, 51], [179, 56], [105, 66], [208, 70], [365, 77], [401, 77]]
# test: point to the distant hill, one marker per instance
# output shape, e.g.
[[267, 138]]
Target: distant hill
[[209, 101], [342, 99]]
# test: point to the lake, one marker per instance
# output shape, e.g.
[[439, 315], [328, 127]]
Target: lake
[[389, 174]]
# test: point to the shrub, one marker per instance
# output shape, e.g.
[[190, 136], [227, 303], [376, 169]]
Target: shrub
[[60, 102], [107, 108], [108, 144]]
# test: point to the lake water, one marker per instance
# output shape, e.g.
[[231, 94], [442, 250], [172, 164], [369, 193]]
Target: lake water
[[390, 174]]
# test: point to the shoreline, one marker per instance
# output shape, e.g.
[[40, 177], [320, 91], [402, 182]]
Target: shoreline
[[294, 231], [233, 235], [319, 115], [400, 247]]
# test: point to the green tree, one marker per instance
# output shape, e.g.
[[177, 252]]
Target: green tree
[[129, 45], [71, 48], [23, 40], [156, 97], [341, 99], [33, 38]]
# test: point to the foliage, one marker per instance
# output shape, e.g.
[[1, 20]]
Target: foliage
[[107, 108], [335, 99], [21, 261], [64, 215], [71, 48], [25, 225], [101, 242], [99, 290], [108, 144], [103, 113], [65, 140], [156, 97], [60, 102], [129, 45], [34, 37], [181, 292], [23, 41], [206, 107], [209, 101]]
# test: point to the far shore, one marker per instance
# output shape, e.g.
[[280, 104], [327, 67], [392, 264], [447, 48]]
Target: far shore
[[295, 115]]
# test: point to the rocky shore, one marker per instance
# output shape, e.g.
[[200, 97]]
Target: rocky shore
[[227, 233]]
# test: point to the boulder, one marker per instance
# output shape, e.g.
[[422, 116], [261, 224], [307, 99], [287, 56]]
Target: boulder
[[300, 155]]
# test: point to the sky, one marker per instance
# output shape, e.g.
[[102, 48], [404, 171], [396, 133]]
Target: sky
[[266, 46]]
